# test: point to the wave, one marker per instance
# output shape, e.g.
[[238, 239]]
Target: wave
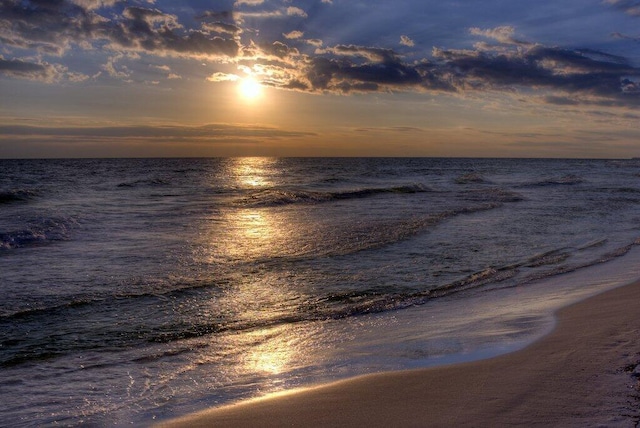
[[42, 345], [470, 177], [275, 197], [489, 278], [162, 290], [17, 195], [565, 180], [150, 182], [368, 236], [40, 232], [493, 194]]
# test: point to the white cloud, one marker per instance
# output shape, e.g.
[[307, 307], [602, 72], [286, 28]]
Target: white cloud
[[293, 34], [296, 11], [502, 34], [249, 2], [314, 42], [406, 41], [223, 77]]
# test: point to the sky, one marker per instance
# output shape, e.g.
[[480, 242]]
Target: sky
[[155, 78]]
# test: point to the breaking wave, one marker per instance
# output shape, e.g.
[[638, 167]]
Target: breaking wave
[[275, 197]]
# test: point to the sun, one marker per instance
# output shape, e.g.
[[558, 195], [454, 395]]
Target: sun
[[249, 89]]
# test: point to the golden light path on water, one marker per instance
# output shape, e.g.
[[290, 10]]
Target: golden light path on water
[[251, 235]]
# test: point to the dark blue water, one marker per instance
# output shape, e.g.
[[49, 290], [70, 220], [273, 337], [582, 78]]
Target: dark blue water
[[123, 281]]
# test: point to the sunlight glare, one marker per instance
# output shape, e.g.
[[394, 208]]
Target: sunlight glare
[[250, 89]]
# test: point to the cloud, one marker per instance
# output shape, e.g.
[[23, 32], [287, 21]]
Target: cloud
[[296, 11], [503, 34], [206, 140], [110, 67], [585, 72], [392, 129], [337, 75], [209, 132], [630, 7], [97, 4], [372, 54], [223, 77], [21, 68], [249, 2], [166, 70], [58, 25], [151, 30], [41, 71], [625, 37], [500, 62], [293, 35], [314, 42], [406, 41], [513, 66], [161, 67], [221, 27]]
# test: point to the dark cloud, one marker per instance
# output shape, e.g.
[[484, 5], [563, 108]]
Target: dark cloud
[[221, 27], [211, 15], [31, 70], [60, 24], [279, 50], [607, 79], [21, 67], [153, 31], [586, 72], [347, 76], [364, 69]]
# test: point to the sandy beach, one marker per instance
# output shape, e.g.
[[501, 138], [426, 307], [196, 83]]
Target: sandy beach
[[581, 374]]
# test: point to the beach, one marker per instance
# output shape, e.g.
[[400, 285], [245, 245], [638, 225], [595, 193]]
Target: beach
[[581, 374]]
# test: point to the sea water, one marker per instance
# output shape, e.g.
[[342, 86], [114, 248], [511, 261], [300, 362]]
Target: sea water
[[134, 290]]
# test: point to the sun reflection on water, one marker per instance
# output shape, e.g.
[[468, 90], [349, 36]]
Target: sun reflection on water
[[274, 352], [265, 347], [252, 172]]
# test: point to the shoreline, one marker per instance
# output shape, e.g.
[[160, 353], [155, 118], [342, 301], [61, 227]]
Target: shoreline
[[577, 375]]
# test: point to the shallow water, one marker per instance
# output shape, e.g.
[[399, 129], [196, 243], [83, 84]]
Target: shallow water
[[140, 289]]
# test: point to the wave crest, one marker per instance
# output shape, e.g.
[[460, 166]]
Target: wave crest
[[275, 197]]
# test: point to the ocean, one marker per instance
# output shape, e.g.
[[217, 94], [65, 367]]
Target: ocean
[[135, 290]]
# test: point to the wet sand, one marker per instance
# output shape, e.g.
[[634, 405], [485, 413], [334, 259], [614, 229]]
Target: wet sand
[[581, 374]]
